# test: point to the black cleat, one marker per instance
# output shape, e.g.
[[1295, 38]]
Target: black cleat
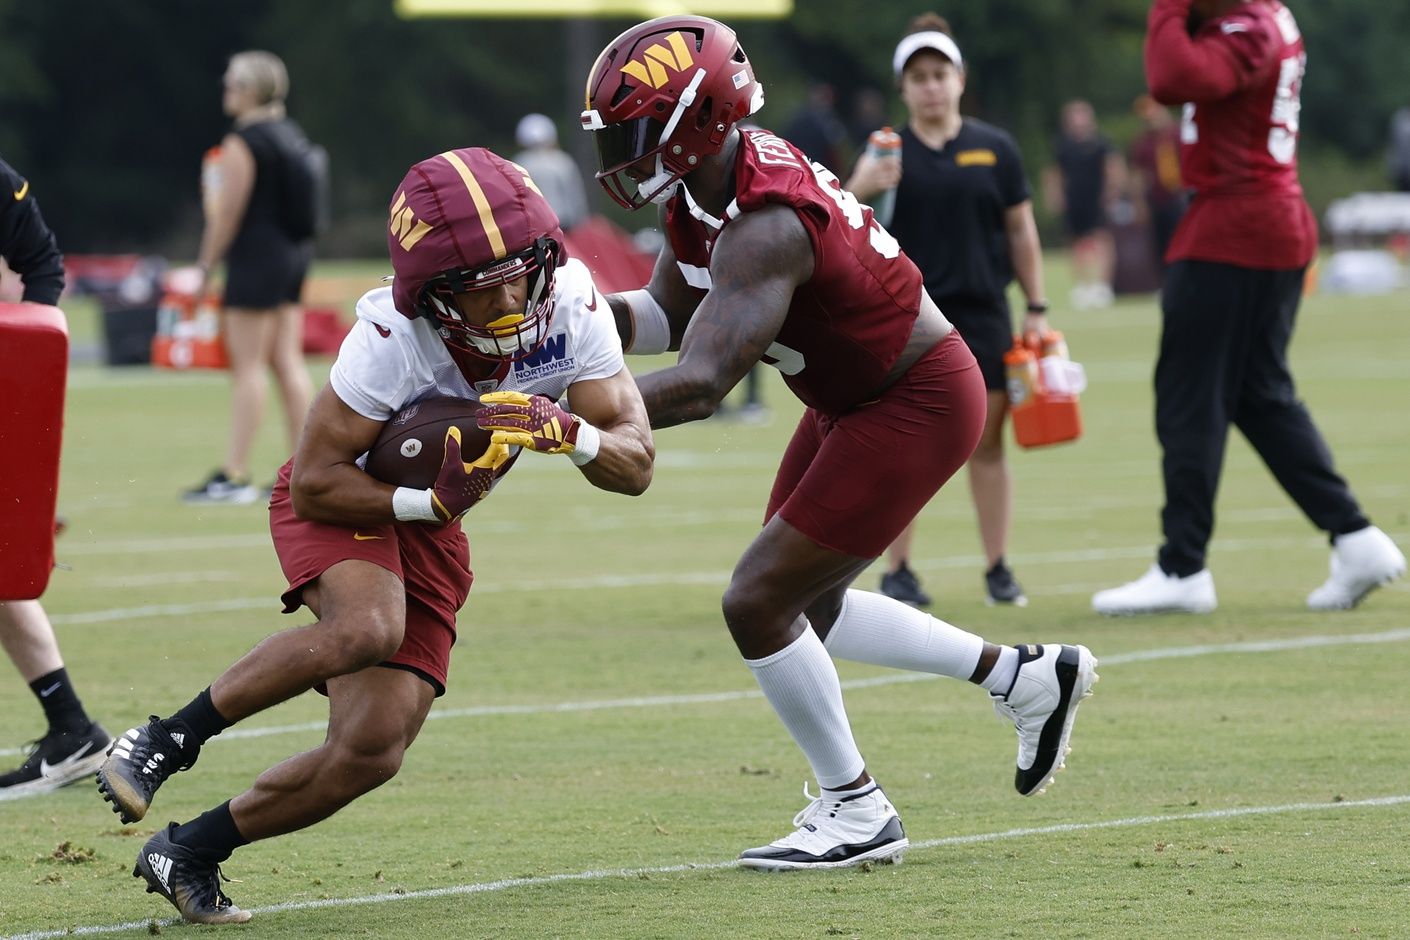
[[186, 880], [55, 760], [138, 763], [903, 585], [1002, 587]]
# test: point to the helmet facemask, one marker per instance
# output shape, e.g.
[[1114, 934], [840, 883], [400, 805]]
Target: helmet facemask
[[512, 336]]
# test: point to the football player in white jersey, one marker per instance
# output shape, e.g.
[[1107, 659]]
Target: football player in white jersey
[[483, 304]]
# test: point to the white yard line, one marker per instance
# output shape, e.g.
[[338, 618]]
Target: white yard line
[[604, 874], [894, 678]]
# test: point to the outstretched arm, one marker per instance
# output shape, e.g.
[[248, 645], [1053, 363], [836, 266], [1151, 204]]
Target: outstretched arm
[[757, 263], [667, 296]]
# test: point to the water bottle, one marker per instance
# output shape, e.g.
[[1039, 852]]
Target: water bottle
[[1021, 373], [884, 144], [1054, 345], [211, 181]]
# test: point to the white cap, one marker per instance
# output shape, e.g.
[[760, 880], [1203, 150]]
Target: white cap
[[535, 130], [915, 42]]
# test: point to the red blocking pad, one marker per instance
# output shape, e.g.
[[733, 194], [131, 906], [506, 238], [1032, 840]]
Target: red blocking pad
[[34, 360]]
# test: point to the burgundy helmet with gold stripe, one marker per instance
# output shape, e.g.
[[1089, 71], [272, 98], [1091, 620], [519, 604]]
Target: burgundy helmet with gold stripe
[[468, 220]]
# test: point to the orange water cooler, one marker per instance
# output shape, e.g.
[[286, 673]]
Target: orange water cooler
[[1043, 387]]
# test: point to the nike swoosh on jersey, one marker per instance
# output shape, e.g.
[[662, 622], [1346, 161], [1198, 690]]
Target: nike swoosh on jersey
[[593, 304], [46, 769], [22, 191], [382, 330], [358, 536]]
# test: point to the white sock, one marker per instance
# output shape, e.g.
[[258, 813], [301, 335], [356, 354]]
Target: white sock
[[1000, 678], [800, 682], [873, 628]]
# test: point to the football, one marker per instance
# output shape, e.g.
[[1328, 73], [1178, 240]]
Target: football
[[411, 447]]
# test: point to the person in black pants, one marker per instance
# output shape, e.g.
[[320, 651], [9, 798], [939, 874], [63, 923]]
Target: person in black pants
[[965, 217], [266, 264], [73, 745], [1231, 296]]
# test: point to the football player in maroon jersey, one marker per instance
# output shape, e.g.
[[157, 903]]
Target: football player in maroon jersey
[[768, 259], [1231, 294]]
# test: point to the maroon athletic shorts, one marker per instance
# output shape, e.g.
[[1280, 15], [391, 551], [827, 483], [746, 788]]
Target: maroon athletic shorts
[[432, 561], [853, 482]]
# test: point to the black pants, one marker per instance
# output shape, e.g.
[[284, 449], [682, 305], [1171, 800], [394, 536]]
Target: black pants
[[1223, 359]]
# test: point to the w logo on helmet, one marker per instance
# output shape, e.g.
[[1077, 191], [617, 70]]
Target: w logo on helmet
[[405, 226], [652, 68]]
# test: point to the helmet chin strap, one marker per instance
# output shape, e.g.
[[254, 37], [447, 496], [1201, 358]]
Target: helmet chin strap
[[698, 212]]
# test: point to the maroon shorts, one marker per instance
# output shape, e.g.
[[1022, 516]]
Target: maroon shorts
[[433, 562], [852, 483]]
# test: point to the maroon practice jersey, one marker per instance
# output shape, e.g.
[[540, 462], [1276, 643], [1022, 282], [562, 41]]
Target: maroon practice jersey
[[848, 323], [1240, 81]]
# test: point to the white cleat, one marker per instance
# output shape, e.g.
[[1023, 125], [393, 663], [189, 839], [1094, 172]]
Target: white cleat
[[1361, 562], [1156, 592], [1052, 680], [835, 833]]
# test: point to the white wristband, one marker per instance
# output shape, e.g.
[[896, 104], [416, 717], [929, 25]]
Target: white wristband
[[589, 440], [410, 505], [651, 330]]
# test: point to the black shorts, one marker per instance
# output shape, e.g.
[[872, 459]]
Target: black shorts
[[264, 273], [1081, 221], [988, 331]]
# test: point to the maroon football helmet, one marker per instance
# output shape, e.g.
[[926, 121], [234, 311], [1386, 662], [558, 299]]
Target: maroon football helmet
[[468, 220], [671, 89]]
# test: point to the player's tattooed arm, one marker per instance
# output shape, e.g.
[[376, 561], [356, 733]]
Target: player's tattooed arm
[[759, 260]]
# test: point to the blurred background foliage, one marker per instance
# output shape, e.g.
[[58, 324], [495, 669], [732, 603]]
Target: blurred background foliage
[[109, 106]]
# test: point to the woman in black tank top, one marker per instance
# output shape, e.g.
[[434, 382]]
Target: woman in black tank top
[[265, 266]]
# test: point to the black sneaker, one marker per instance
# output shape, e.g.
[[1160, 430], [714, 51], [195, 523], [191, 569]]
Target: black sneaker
[[902, 585], [138, 763], [219, 488], [186, 880], [1003, 589], [56, 760]]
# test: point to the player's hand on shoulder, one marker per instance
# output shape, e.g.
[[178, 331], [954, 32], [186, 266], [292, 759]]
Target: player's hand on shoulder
[[461, 485], [530, 421]]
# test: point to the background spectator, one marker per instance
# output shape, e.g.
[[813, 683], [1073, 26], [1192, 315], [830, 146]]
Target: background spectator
[[554, 172], [1398, 152], [1155, 172], [818, 131], [1080, 186], [964, 215], [266, 261]]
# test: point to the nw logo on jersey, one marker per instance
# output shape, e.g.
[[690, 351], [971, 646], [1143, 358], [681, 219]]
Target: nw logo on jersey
[[405, 226], [553, 350], [652, 68]]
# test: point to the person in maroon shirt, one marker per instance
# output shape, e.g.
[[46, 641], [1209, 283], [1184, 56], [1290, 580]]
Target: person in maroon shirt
[[768, 259], [1230, 300]]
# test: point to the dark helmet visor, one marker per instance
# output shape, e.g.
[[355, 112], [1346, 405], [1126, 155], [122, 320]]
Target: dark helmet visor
[[621, 144]]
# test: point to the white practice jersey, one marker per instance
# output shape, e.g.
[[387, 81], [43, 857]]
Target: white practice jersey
[[389, 361]]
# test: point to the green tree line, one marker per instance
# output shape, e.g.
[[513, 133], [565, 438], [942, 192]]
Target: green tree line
[[108, 107]]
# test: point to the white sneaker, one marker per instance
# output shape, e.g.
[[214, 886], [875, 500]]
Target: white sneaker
[[1156, 592], [1052, 680], [1361, 562], [835, 834]]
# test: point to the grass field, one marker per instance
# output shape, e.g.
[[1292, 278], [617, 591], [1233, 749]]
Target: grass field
[[602, 754]]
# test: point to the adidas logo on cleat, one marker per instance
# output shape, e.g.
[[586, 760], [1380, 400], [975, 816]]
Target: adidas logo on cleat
[[161, 867]]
